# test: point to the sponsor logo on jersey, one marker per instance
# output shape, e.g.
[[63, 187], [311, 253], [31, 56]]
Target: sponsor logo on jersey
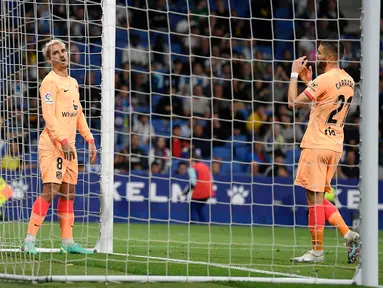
[[48, 98], [75, 107], [329, 132], [69, 114], [59, 175], [313, 86]]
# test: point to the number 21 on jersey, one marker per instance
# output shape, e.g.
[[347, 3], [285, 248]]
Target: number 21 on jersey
[[342, 109]]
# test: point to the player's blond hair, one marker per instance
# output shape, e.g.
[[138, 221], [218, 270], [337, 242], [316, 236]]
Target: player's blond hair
[[48, 45]]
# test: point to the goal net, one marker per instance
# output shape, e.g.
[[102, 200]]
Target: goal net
[[202, 80]]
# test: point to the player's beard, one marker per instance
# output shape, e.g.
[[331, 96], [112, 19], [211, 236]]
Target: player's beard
[[321, 66]]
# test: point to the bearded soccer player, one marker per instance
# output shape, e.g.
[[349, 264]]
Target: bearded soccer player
[[63, 114], [331, 95]]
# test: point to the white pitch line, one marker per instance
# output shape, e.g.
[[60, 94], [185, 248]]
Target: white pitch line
[[218, 265]]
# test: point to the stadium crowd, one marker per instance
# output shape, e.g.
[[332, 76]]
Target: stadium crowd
[[219, 94]]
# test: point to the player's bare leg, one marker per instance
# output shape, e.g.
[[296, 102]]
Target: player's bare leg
[[65, 213], [316, 220], [39, 211]]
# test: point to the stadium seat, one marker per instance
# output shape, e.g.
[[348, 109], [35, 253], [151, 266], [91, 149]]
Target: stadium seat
[[225, 167], [155, 99], [222, 152], [292, 156], [238, 141], [241, 153], [176, 48], [121, 36], [161, 127], [237, 168]]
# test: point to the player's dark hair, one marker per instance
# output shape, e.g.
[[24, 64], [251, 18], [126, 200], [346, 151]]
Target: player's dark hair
[[335, 46]]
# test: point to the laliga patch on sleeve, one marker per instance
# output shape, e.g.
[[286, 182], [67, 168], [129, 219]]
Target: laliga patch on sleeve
[[48, 98]]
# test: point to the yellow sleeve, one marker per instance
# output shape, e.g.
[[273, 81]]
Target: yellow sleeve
[[48, 92], [82, 126]]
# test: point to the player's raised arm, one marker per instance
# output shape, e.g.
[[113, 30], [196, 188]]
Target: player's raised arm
[[84, 130], [299, 66], [48, 92]]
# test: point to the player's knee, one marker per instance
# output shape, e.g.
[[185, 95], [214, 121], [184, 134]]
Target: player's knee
[[50, 191], [69, 196], [314, 197], [67, 191]]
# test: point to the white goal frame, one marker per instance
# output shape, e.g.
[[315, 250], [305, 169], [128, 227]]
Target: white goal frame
[[367, 272]]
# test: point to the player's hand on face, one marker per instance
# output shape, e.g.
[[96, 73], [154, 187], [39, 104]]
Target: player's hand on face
[[307, 74], [299, 64], [92, 153], [69, 152]]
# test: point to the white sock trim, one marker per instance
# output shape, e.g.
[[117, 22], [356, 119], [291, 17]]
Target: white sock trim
[[67, 241], [30, 238], [347, 235], [317, 252]]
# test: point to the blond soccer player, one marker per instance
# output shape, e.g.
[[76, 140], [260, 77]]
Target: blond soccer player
[[63, 115], [331, 95]]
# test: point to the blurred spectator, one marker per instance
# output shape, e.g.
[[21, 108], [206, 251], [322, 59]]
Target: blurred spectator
[[200, 144], [281, 171], [160, 154], [11, 160], [278, 169], [138, 160], [182, 169], [158, 15], [179, 81], [160, 53], [254, 169], [199, 78], [273, 139], [135, 53], [124, 75], [198, 104], [223, 17], [140, 89], [290, 132], [235, 114], [216, 166], [260, 157], [179, 146], [221, 130], [143, 128], [349, 167], [186, 128], [155, 168], [121, 116], [219, 103], [261, 15], [131, 158], [328, 9], [170, 105]]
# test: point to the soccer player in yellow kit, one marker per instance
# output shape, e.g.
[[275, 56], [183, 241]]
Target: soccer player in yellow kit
[[63, 115], [331, 94]]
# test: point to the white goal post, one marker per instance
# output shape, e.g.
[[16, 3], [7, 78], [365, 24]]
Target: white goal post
[[137, 219]]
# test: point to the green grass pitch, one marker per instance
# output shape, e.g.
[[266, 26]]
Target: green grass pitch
[[195, 250]]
